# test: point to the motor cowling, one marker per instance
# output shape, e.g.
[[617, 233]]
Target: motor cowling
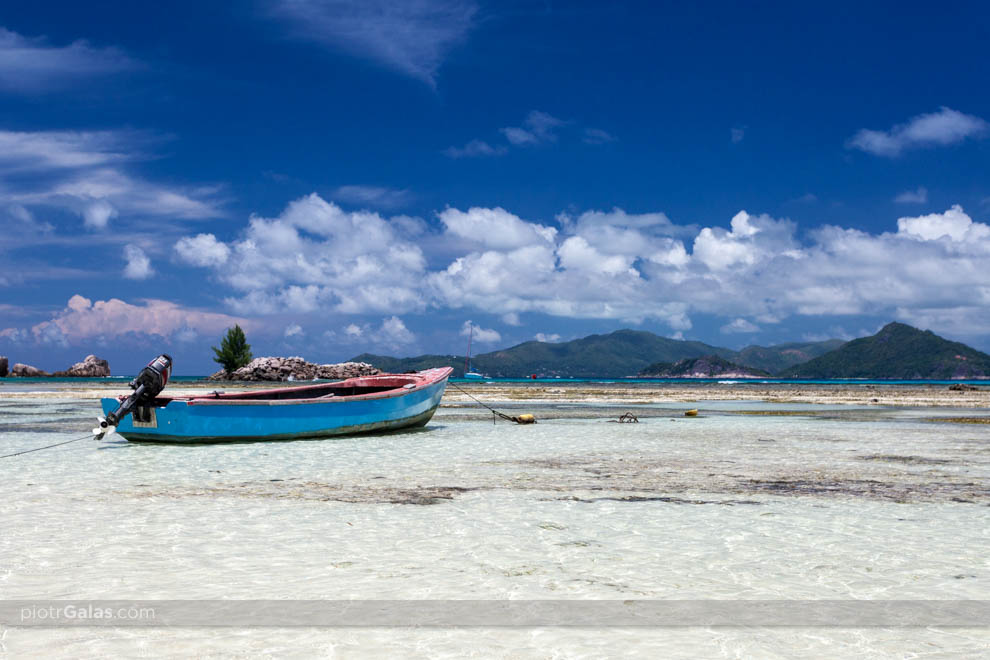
[[148, 384]]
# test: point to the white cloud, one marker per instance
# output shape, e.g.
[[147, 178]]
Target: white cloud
[[84, 172], [739, 326], [293, 330], [942, 128], [919, 196], [31, 65], [475, 149], [495, 228], [394, 332], [954, 224], [83, 320], [547, 338], [98, 214], [202, 250], [721, 250], [737, 135], [537, 128], [375, 196], [410, 37], [479, 334], [317, 256], [34, 151], [138, 264]]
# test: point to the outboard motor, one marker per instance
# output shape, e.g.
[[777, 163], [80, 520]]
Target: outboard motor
[[148, 384]]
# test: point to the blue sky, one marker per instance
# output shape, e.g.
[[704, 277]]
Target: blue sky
[[342, 177]]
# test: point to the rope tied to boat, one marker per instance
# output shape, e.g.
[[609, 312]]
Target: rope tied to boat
[[57, 444], [520, 419]]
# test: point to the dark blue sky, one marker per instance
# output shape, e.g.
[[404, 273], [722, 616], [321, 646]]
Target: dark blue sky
[[350, 176]]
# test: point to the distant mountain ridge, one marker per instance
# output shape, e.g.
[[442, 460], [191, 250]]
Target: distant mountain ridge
[[898, 351], [781, 356], [620, 354]]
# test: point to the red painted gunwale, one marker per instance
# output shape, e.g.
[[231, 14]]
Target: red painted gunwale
[[420, 380]]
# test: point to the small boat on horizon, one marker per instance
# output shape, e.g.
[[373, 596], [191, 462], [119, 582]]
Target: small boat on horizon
[[365, 404], [469, 372]]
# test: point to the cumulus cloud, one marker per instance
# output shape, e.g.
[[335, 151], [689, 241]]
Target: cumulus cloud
[[394, 332], [494, 227], [919, 196], [84, 320], [98, 214], [936, 129], [293, 330], [31, 64], [755, 269], [954, 224], [202, 250], [547, 338], [138, 264], [315, 256], [752, 238], [410, 37], [479, 334]]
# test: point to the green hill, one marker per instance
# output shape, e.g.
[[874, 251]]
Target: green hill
[[616, 355], [708, 366], [781, 356], [898, 351]]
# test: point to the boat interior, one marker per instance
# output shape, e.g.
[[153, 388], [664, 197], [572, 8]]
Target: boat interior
[[348, 388]]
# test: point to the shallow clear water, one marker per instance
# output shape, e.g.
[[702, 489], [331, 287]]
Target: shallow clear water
[[830, 503]]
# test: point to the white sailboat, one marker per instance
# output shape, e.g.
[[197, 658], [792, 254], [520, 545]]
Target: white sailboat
[[469, 372]]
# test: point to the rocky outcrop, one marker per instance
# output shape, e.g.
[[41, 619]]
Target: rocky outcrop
[[709, 366], [295, 368], [91, 367], [26, 371], [3, 366]]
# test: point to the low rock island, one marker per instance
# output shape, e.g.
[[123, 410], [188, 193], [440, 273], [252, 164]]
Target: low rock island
[[295, 368]]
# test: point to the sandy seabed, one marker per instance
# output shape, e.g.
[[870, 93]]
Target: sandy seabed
[[809, 492]]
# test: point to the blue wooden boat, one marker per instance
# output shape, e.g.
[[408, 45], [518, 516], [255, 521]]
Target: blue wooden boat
[[356, 405]]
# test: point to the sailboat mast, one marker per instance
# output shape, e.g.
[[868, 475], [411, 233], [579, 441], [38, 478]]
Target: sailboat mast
[[467, 358]]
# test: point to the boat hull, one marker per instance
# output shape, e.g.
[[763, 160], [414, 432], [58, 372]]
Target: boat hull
[[200, 420]]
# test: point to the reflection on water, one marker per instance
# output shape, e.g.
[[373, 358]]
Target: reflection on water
[[829, 503]]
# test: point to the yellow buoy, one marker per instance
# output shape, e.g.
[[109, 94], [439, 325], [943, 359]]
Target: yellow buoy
[[525, 419], [691, 413]]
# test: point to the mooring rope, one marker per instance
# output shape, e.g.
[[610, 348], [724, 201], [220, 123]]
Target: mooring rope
[[57, 444], [494, 412]]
